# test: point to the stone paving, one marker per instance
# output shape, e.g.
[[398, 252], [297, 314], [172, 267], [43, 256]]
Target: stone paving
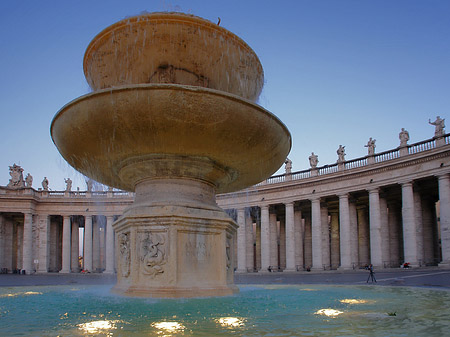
[[422, 277]]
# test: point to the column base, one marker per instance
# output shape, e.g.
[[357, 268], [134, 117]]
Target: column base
[[290, 270], [64, 272], [444, 265]]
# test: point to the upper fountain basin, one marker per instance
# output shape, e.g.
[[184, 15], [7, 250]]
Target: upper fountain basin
[[125, 135], [173, 48]]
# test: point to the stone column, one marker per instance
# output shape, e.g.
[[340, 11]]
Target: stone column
[[44, 246], [96, 244], [250, 240], [385, 254], [307, 252], [8, 244], [265, 239], [335, 241], [88, 243], [2, 241], [354, 258], [281, 247], [363, 236], [66, 245], [316, 234], [290, 237], [409, 225], [27, 258], [345, 241], [375, 228], [241, 242], [75, 252], [419, 226], [109, 245], [273, 237], [299, 239], [444, 198], [325, 236], [429, 232], [394, 220]]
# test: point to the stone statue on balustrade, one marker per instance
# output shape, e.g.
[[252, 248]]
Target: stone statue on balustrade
[[29, 180], [313, 160], [341, 154], [45, 184], [371, 146], [439, 126], [288, 166], [404, 137], [68, 182], [16, 173]]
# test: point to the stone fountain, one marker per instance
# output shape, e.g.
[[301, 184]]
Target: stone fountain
[[172, 117]]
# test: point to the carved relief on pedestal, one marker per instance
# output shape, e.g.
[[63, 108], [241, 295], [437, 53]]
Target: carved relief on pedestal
[[152, 252], [228, 251], [124, 250]]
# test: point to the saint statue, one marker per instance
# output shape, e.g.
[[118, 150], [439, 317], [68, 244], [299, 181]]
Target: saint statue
[[371, 146], [45, 184], [313, 160], [68, 182], [341, 154], [16, 173], [404, 137], [439, 126], [29, 180], [288, 166]]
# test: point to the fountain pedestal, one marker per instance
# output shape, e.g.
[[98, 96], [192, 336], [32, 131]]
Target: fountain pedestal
[[175, 242]]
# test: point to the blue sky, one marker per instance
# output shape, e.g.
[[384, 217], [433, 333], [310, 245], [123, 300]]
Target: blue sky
[[336, 71]]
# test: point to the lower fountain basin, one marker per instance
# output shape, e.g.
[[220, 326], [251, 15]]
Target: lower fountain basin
[[123, 135], [274, 310]]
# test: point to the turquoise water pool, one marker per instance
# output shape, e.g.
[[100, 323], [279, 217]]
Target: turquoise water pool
[[271, 310]]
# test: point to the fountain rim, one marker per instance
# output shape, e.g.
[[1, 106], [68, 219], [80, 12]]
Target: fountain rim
[[160, 17], [165, 86], [193, 90]]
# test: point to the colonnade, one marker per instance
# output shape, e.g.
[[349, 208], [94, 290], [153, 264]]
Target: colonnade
[[386, 226], [51, 243], [403, 221]]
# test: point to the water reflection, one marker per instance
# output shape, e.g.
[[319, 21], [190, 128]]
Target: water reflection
[[96, 327], [26, 293], [329, 312], [230, 322], [168, 327], [353, 301]]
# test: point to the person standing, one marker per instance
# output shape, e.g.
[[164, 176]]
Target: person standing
[[371, 274]]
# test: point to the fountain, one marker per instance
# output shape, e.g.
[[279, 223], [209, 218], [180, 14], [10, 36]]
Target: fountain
[[172, 117]]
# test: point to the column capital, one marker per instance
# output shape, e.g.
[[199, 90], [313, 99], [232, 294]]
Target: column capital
[[343, 195], [315, 199], [443, 176], [289, 203], [265, 207], [406, 183], [373, 190]]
